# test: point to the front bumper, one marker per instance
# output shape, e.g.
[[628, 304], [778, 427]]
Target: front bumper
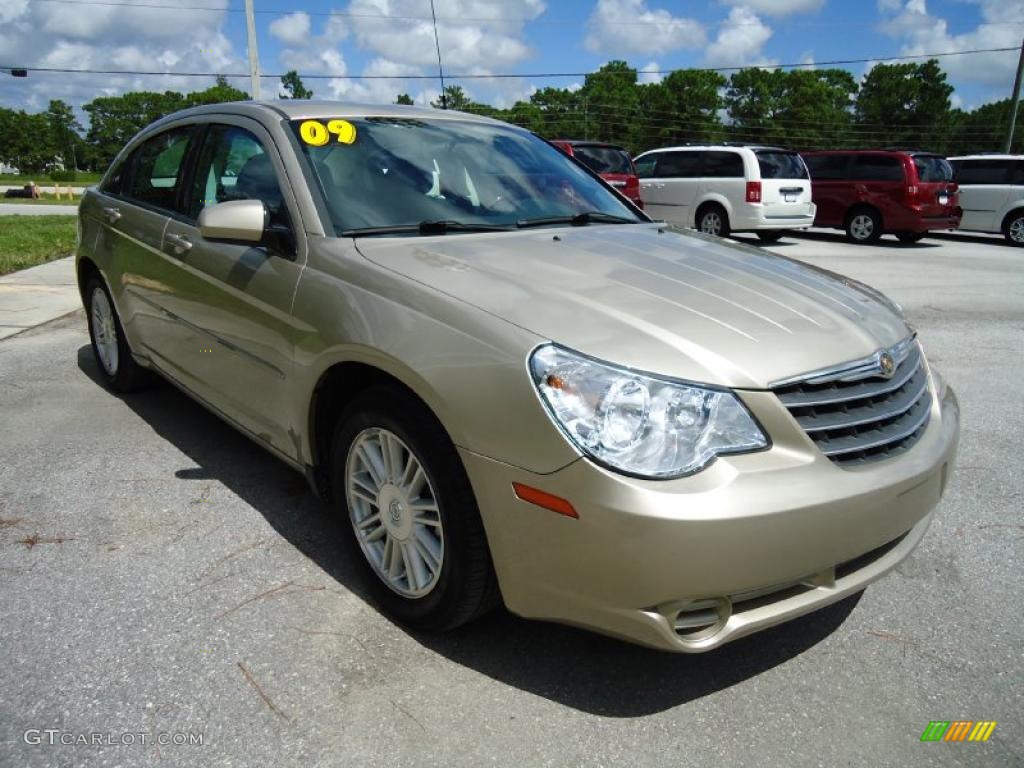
[[752, 541]]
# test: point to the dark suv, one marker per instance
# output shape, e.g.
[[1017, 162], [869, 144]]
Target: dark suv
[[871, 192], [612, 163]]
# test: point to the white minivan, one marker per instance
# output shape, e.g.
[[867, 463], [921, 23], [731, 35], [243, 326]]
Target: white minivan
[[722, 189], [992, 194]]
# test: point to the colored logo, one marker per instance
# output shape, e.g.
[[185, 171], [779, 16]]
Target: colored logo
[[958, 730]]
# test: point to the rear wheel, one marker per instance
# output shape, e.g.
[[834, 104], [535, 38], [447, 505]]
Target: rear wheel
[[770, 235], [1013, 229], [713, 220], [109, 345], [909, 237], [411, 511], [864, 226]]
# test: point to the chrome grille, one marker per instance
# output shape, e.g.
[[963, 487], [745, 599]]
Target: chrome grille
[[855, 414]]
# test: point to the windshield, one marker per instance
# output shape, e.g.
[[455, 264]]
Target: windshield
[[781, 165], [390, 172], [932, 168], [604, 159]]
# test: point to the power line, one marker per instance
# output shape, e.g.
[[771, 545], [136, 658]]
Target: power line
[[536, 75]]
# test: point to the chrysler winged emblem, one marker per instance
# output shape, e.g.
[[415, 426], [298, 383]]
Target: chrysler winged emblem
[[886, 365]]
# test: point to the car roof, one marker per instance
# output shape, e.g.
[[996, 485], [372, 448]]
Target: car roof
[[873, 151], [988, 156], [322, 108], [718, 148], [587, 143]]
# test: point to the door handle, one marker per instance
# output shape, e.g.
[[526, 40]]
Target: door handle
[[181, 244], [112, 214]]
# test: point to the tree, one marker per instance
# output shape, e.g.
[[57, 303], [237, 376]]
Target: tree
[[216, 94], [907, 104], [291, 83], [611, 99], [684, 107], [558, 114], [984, 129], [404, 98], [63, 129], [755, 100], [113, 120], [453, 98]]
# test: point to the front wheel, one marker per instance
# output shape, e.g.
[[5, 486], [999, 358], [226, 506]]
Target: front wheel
[[1014, 229], [713, 220], [864, 226], [411, 511]]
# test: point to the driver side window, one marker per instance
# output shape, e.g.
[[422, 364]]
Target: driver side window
[[233, 165]]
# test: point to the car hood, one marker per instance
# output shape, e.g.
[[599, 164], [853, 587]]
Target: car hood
[[654, 299]]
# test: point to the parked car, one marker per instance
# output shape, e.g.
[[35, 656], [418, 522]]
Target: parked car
[[510, 383], [611, 162], [872, 192], [991, 194], [724, 189]]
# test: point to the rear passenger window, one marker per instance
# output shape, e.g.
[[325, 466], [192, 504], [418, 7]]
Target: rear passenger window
[[678, 165], [1018, 173], [723, 165], [645, 166], [877, 168], [827, 167], [157, 167], [983, 172]]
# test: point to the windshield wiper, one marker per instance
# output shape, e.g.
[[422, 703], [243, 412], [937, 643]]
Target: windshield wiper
[[579, 220], [440, 227]]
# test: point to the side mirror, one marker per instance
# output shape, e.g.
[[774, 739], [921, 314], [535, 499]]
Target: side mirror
[[244, 220]]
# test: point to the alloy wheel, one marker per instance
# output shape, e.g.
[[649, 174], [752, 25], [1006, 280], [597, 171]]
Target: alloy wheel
[[394, 511], [104, 331], [1017, 230], [711, 223], [862, 226]]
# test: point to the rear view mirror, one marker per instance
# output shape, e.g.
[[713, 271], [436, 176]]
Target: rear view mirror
[[244, 220]]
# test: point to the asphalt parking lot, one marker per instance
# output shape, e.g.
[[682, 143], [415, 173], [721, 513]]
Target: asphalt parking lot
[[161, 574]]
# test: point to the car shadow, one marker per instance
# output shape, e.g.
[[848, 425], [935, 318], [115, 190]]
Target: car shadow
[[887, 241], [979, 238], [570, 666]]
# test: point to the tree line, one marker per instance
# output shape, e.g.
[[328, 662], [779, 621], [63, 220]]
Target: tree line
[[902, 105]]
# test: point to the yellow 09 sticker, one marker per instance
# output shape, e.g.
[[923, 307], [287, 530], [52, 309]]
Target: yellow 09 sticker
[[316, 134]]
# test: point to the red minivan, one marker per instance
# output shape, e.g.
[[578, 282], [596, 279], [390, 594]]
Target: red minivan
[[611, 163], [872, 192]]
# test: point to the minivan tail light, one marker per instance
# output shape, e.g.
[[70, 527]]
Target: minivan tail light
[[912, 194], [753, 191]]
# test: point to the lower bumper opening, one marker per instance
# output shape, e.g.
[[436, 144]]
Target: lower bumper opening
[[696, 621]]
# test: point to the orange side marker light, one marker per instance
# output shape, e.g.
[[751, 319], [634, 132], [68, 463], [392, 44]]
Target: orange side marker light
[[544, 499]]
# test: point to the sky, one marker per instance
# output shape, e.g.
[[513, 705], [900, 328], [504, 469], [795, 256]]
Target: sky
[[340, 41]]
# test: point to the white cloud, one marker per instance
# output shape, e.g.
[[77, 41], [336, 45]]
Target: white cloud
[[780, 7], [292, 29], [740, 40], [648, 73], [107, 37], [628, 26], [921, 33]]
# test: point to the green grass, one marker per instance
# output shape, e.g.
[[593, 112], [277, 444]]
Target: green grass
[[29, 240], [85, 179]]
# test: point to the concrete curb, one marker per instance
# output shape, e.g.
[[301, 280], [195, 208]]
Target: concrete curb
[[37, 295]]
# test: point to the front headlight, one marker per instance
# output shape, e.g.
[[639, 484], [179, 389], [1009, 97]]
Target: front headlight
[[639, 424]]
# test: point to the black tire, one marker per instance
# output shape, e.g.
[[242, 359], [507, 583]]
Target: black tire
[[707, 215], [864, 226], [125, 375], [909, 237], [1013, 228], [466, 586], [770, 235]]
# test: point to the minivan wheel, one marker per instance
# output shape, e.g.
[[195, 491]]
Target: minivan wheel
[[1014, 228], [713, 220], [118, 368], [770, 235], [864, 226], [411, 512], [909, 237]]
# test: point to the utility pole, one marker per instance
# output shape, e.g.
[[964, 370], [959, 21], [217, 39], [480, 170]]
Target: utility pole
[[440, 70], [1015, 101], [254, 56]]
